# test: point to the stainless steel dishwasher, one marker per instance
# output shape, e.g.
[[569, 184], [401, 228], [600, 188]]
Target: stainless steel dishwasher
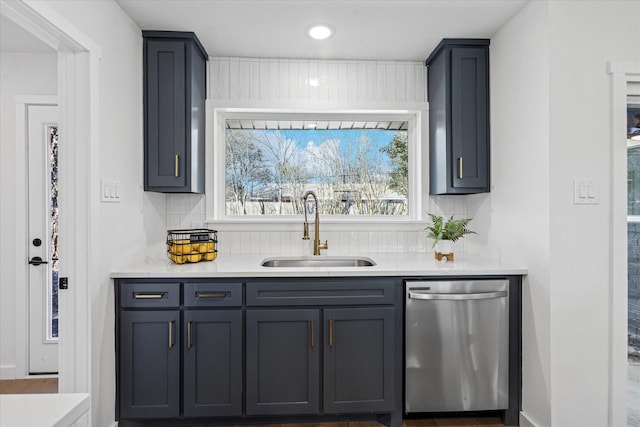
[[456, 348]]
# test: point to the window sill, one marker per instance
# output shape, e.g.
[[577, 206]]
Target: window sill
[[326, 224]]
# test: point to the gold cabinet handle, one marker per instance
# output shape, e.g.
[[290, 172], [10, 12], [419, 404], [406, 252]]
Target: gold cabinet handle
[[177, 165], [210, 295], [330, 333], [189, 334], [460, 167], [148, 296], [313, 334], [171, 334]]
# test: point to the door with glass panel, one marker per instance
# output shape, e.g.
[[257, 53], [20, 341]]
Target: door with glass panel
[[42, 257]]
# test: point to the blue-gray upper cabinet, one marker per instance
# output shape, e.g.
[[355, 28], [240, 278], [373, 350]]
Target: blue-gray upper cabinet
[[174, 112], [458, 95]]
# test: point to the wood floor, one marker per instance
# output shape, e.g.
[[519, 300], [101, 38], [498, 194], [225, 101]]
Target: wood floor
[[34, 385], [50, 385]]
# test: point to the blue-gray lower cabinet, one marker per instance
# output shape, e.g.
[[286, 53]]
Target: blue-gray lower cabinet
[[231, 351], [283, 362], [212, 363], [178, 350], [149, 354], [284, 350], [358, 360], [267, 350]]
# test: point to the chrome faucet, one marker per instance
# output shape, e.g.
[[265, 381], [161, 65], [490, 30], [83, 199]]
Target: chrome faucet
[[316, 239]]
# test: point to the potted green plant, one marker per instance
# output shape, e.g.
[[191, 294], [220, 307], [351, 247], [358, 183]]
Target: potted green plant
[[444, 233]]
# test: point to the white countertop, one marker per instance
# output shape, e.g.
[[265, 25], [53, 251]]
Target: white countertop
[[42, 410], [387, 264]]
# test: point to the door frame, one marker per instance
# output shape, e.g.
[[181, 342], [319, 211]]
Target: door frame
[[78, 96], [22, 103], [620, 75]]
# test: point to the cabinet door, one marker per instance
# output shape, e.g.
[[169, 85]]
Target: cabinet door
[[212, 363], [283, 362], [358, 360], [149, 351], [469, 118], [165, 114]]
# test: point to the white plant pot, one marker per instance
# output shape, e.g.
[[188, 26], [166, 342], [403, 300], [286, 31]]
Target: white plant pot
[[445, 246], [444, 249]]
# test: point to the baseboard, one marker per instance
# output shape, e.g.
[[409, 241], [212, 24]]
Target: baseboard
[[8, 372], [525, 421]]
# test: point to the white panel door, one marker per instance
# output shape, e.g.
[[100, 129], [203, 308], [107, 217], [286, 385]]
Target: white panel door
[[42, 122]]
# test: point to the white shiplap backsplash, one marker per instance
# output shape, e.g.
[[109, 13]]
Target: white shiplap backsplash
[[321, 82], [293, 83], [188, 211]]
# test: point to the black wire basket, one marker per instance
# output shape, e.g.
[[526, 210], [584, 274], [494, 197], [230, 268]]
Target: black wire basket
[[192, 245]]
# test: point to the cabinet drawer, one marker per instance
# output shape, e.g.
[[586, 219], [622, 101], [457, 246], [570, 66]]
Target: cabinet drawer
[[150, 295], [304, 292], [212, 294]]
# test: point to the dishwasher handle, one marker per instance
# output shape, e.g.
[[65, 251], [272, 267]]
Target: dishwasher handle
[[457, 297]]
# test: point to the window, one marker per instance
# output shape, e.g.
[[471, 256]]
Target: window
[[360, 165]]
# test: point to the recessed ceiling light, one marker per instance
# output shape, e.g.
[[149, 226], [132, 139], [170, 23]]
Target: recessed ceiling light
[[320, 31]]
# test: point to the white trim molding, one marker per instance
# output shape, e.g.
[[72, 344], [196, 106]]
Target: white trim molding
[[525, 421], [622, 74], [215, 176]]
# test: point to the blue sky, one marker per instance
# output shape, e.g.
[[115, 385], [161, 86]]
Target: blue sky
[[378, 138]]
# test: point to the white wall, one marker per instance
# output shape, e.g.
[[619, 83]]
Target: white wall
[[551, 124], [127, 229], [516, 214], [583, 38], [316, 85], [20, 74]]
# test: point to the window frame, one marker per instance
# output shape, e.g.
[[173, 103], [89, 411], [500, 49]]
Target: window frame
[[215, 161], [633, 102]]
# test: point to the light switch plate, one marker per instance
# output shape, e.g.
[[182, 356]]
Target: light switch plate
[[109, 191], [585, 192]]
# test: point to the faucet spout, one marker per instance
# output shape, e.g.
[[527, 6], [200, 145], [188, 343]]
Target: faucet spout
[[317, 246]]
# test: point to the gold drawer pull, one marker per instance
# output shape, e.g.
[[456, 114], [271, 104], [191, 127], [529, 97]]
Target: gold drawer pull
[[313, 334], [460, 167], [171, 334], [177, 166], [330, 333], [148, 296], [189, 334], [211, 295]]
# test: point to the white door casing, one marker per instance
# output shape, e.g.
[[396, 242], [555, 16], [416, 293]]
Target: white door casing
[[78, 91], [624, 76], [43, 347]]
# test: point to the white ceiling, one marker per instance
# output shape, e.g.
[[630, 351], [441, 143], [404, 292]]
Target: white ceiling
[[365, 29]]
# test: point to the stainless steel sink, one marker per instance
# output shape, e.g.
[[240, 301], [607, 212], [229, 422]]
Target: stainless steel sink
[[318, 261]]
